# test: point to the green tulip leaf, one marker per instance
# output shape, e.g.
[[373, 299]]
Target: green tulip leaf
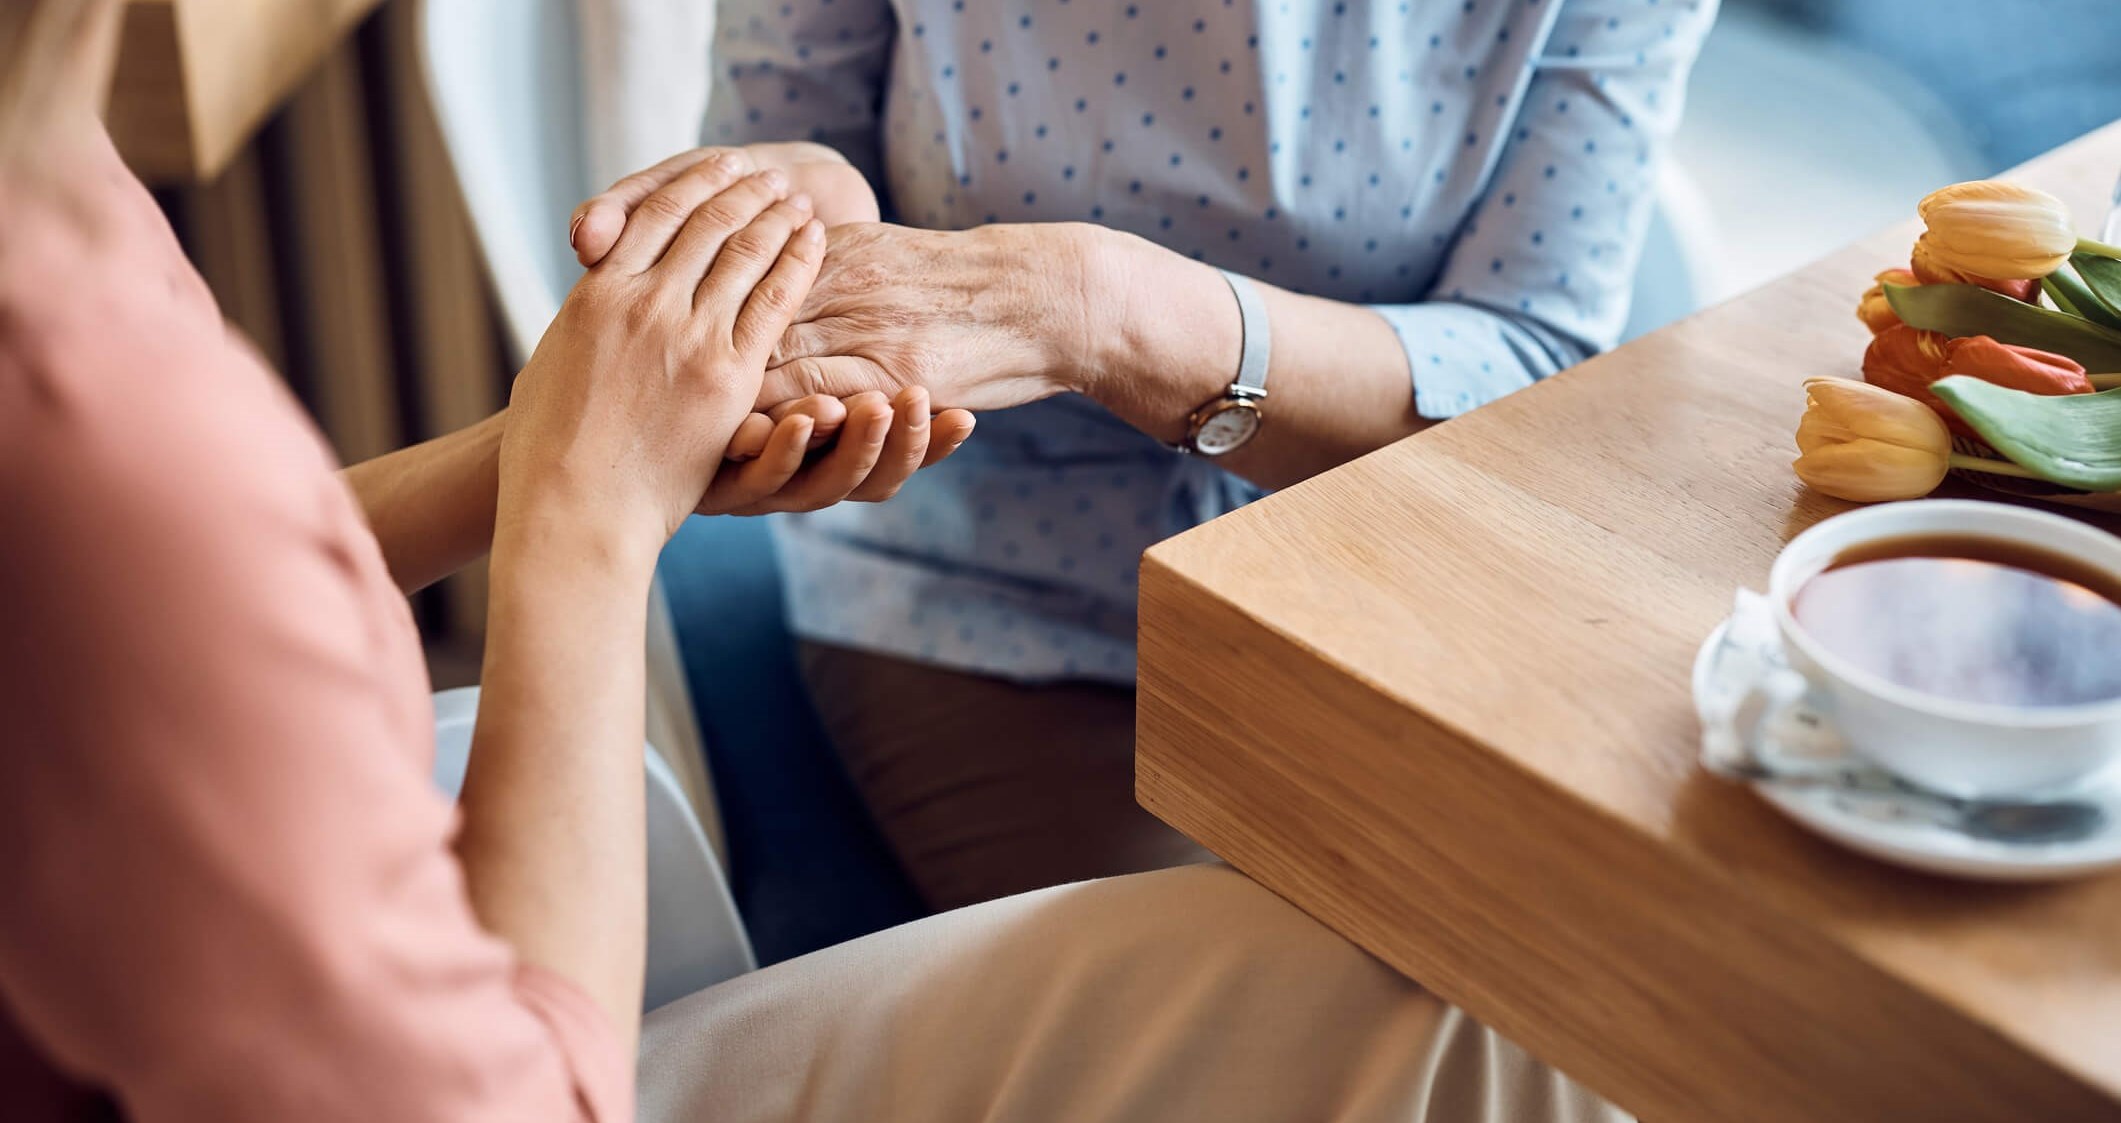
[[1959, 310], [2069, 439], [2102, 281]]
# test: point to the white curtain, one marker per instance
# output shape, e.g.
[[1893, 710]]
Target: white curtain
[[645, 77]]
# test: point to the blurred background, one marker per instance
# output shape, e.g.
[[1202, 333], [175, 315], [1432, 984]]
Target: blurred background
[[295, 149]]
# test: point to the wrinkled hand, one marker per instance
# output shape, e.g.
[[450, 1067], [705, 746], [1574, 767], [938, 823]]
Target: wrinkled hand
[[986, 318], [625, 410], [873, 442]]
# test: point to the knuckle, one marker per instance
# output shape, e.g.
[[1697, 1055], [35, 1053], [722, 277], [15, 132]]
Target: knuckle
[[724, 213], [750, 244], [775, 295], [638, 183], [664, 206], [733, 161], [809, 252]]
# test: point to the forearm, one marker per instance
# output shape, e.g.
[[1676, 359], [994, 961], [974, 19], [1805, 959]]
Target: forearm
[[431, 506], [1165, 338], [553, 837]]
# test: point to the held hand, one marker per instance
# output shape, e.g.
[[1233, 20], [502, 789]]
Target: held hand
[[628, 405], [880, 445], [907, 443], [837, 187], [984, 319]]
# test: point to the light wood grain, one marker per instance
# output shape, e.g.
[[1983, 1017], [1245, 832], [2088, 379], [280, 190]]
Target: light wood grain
[[1438, 698], [196, 77]]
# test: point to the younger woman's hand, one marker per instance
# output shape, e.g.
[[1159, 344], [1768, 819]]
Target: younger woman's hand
[[625, 411], [879, 445], [840, 193]]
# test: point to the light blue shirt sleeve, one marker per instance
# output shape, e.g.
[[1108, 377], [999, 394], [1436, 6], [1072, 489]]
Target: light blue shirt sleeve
[[1539, 275], [1480, 172]]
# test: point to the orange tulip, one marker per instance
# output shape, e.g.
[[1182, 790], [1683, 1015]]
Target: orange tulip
[[1990, 229], [1906, 361], [2019, 368], [1875, 312], [1866, 444]]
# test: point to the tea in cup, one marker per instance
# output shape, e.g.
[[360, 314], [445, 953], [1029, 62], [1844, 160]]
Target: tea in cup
[[1972, 648]]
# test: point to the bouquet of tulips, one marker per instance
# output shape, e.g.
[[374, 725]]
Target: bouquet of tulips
[[1996, 353]]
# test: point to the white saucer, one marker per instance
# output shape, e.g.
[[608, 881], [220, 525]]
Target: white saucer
[[1869, 822]]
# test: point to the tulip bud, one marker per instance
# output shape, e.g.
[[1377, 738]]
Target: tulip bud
[[1906, 360], [1867, 445], [2019, 368], [1996, 230], [1874, 310]]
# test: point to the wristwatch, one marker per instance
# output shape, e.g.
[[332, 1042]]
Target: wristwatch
[[1224, 425]]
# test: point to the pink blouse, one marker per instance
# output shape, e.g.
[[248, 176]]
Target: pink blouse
[[226, 885]]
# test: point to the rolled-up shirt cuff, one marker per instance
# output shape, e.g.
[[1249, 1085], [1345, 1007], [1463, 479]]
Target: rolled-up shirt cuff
[[1462, 357]]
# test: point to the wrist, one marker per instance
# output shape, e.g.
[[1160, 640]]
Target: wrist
[[560, 514], [1097, 266], [585, 540], [1169, 336]]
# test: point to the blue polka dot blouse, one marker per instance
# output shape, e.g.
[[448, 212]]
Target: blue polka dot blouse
[[1478, 171]]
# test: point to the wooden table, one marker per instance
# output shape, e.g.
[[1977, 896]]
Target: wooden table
[[1438, 698]]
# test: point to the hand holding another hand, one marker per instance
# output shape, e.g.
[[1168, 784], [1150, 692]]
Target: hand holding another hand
[[624, 413], [872, 442]]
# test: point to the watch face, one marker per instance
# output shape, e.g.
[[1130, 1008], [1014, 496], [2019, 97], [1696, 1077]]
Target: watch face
[[1226, 429]]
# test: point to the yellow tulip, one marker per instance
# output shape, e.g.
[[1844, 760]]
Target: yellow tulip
[[1867, 445], [1995, 230]]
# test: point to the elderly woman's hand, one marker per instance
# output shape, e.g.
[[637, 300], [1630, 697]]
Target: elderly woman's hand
[[986, 318]]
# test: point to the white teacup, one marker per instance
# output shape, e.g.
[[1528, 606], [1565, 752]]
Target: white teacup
[[1960, 748]]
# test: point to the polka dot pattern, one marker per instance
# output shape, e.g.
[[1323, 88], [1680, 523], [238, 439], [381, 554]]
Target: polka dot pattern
[[1479, 172]]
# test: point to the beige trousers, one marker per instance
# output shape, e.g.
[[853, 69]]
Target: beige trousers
[[1168, 997]]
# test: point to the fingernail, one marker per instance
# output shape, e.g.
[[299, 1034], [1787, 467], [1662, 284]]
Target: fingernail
[[574, 226], [800, 201], [775, 178]]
